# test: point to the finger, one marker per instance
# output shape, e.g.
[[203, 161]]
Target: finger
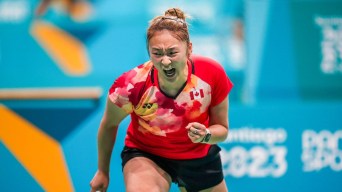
[[197, 125], [194, 138], [188, 126], [104, 189], [96, 188], [196, 131], [191, 135]]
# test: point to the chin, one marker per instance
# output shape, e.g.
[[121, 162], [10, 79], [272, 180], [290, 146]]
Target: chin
[[171, 79]]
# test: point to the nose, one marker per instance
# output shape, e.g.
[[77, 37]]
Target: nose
[[165, 61]]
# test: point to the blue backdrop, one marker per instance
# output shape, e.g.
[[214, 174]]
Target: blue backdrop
[[284, 58]]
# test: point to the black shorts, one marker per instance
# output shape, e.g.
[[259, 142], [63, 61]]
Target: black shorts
[[193, 174]]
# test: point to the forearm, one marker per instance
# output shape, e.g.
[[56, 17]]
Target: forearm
[[106, 139], [219, 122], [218, 132]]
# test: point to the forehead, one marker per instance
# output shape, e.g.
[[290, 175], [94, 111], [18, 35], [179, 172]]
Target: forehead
[[165, 39]]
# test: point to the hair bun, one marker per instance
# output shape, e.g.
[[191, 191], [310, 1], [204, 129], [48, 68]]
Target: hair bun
[[175, 12]]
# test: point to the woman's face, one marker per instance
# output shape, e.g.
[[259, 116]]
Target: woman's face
[[169, 55]]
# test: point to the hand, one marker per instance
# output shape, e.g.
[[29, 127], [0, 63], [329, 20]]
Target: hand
[[99, 182], [196, 132]]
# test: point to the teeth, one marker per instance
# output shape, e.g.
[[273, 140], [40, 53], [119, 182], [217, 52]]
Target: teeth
[[169, 72], [168, 68]]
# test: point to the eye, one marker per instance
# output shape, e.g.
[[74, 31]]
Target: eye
[[157, 53], [173, 53]]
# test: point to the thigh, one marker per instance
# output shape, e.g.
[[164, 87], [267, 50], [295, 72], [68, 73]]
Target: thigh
[[221, 187], [142, 174]]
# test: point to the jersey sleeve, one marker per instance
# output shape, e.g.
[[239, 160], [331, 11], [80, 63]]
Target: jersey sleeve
[[222, 85], [126, 90], [119, 92]]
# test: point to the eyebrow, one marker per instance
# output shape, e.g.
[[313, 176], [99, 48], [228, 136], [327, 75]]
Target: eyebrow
[[158, 49]]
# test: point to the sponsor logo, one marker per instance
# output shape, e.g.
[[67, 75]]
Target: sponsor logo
[[255, 152], [321, 150], [147, 105], [331, 29]]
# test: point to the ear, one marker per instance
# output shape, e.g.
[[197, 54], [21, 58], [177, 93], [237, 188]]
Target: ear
[[189, 51], [148, 47]]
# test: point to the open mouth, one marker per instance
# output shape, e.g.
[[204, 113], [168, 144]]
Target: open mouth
[[170, 72]]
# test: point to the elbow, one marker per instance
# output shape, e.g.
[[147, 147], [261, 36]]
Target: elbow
[[226, 133], [108, 124]]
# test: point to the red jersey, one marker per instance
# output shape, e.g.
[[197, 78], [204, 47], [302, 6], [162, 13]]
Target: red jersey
[[158, 121]]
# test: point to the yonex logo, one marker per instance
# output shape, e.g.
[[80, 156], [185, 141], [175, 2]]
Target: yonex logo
[[147, 105]]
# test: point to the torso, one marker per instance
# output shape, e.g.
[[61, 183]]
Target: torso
[[159, 117]]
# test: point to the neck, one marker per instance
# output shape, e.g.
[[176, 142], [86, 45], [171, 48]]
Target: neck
[[173, 87]]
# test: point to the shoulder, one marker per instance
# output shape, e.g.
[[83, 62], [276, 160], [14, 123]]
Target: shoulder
[[205, 63], [133, 76], [142, 69], [206, 66], [137, 74]]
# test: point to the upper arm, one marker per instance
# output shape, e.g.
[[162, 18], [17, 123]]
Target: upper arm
[[113, 114], [219, 113]]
